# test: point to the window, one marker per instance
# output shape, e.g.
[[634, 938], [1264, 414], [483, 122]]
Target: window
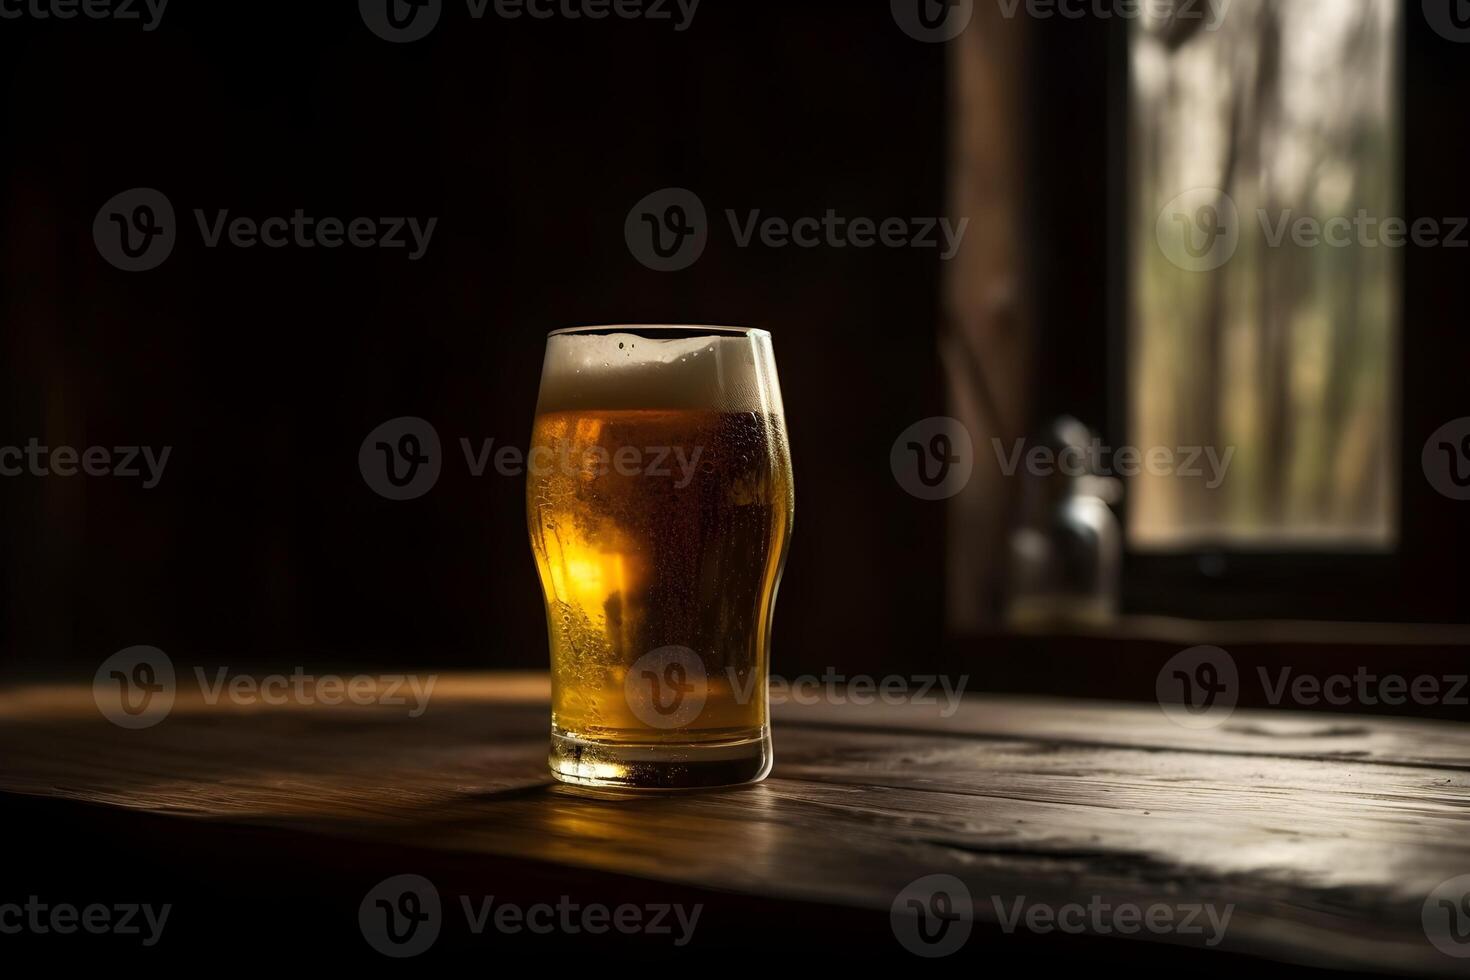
[[1263, 278]]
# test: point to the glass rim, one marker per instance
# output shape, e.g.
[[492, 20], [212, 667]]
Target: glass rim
[[688, 330]]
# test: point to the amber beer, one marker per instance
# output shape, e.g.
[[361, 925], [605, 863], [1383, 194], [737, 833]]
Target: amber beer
[[659, 502]]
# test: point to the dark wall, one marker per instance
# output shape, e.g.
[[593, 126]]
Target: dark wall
[[264, 369]]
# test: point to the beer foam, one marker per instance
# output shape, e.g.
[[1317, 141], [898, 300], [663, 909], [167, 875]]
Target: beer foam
[[724, 370]]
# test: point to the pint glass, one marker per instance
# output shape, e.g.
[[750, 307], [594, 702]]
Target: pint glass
[[659, 501]]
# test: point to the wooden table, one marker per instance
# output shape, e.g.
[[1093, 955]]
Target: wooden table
[[1324, 836]]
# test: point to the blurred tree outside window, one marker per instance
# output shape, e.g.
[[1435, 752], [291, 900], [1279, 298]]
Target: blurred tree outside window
[[1239, 334]]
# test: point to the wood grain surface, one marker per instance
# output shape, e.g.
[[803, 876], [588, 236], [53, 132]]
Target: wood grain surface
[[1324, 836]]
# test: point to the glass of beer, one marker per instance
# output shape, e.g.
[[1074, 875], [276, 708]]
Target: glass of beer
[[659, 500]]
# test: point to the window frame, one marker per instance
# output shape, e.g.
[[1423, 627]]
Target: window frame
[[1229, 580]]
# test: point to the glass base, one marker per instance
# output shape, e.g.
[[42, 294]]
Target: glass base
[[699, 765]]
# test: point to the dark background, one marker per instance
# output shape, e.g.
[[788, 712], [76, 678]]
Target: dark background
[[529, 141], [266, 368]]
